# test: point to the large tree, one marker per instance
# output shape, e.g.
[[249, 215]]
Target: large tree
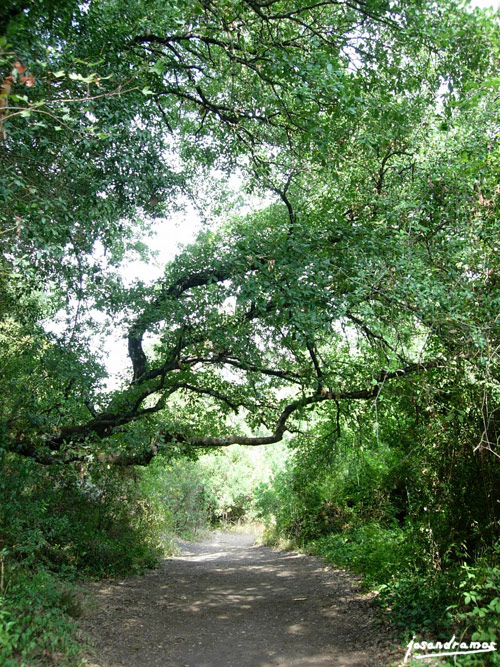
[[372, 125]]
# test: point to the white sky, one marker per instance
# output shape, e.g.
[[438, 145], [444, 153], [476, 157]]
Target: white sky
[[495, 4], [172, 233]]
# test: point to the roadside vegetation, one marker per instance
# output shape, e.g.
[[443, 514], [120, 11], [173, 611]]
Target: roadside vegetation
[[338, 309], [401, 498], [62, 529]]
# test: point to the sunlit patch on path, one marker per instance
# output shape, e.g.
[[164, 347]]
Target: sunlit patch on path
[[227, 602]]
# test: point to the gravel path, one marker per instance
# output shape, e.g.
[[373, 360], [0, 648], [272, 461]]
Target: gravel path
[[226, 602]]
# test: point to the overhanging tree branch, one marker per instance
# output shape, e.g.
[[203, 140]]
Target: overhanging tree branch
[[107, 423], [281, 425]]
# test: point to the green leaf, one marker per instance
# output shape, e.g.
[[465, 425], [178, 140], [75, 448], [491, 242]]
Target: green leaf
[[158, 68]]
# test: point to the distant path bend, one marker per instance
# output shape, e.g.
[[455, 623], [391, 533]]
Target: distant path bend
[[226, 602]]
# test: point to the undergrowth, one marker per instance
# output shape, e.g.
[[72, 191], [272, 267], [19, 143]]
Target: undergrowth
[[61, 526], [416, 517], [57, 528]]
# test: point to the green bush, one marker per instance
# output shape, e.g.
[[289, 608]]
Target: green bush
[[476, 615], [379, 553], [177, 489], [57, 525], [407, 503], [220, 486], [92, 520], [36, 619]]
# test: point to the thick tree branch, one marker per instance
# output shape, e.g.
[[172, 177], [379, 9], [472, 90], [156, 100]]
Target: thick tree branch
[[317, 367], [53, 450], [154, 312], [281, 425]]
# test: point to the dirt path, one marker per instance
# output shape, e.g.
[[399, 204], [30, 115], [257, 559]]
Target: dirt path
[[225, 602]]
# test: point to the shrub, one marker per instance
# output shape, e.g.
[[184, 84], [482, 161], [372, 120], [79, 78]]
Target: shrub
[[58, 524]]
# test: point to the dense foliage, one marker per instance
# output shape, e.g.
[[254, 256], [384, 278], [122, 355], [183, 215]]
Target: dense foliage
[[401, 497], [355, 308], [338, 111], [81, 522]]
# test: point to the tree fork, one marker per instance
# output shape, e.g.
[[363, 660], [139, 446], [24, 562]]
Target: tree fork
[[106, 424]]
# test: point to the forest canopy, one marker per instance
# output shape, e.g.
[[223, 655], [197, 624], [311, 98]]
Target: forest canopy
[[370, 128]]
